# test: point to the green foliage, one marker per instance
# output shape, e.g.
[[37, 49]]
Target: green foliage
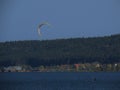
[[61, 51]]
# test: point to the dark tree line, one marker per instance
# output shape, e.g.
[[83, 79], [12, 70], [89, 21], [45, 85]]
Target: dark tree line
[[61, 51]]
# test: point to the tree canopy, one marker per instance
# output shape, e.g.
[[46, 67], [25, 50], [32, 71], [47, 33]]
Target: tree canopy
[[61, 51]]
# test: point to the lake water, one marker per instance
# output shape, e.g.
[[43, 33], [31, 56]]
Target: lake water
[[60, 81]]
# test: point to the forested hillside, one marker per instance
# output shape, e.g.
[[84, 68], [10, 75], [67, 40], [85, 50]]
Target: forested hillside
[[60, 51]]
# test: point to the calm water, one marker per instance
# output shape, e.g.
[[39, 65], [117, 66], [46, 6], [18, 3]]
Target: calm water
[[59, 81]]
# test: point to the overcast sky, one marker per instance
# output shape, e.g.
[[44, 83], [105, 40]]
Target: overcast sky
[[19, 19]]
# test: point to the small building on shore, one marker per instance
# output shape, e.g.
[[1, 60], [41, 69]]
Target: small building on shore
[[13, 69]]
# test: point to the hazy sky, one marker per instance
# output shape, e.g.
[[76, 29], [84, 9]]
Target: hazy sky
[[19, 19]]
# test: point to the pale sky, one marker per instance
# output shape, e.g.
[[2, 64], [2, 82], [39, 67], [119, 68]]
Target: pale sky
[[19, 19]]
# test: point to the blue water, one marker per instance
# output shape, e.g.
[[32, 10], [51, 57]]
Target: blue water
[[60, 81]]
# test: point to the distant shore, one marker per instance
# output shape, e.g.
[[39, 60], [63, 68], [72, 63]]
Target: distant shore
[[81, 67]]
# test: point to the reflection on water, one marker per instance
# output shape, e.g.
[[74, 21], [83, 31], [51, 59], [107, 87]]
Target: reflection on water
[[59, 81]]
